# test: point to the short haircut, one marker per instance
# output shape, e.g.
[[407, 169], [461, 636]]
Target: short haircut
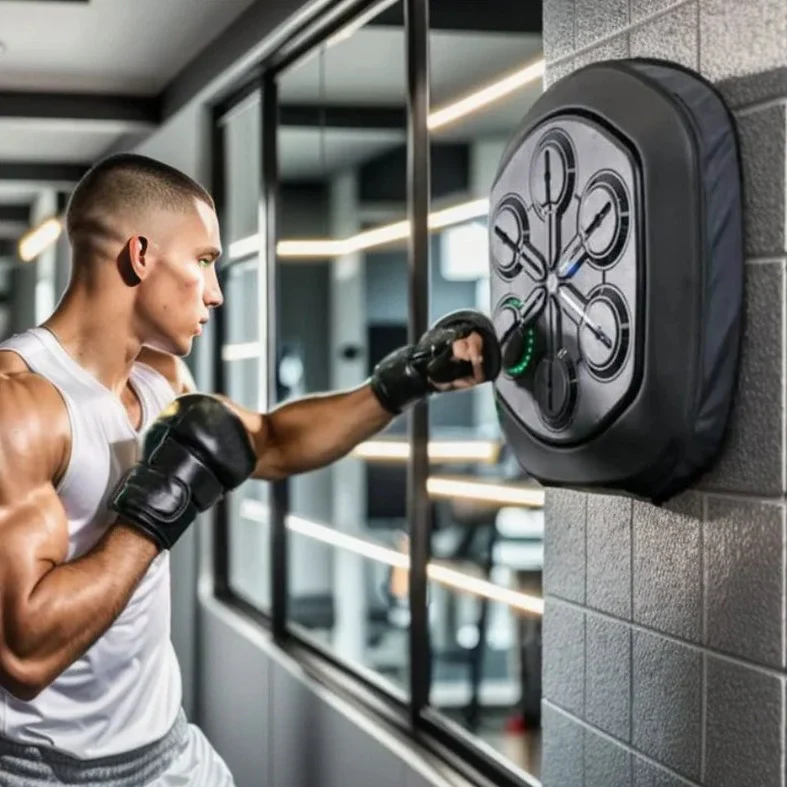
[[128, 182]]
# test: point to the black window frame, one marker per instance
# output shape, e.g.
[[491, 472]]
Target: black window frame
[[411, 715]]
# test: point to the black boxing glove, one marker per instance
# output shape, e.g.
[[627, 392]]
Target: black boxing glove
[[409, 374], [195, 452]]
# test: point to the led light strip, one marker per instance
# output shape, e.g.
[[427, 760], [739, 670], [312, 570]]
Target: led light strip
[[256, 511], [380, 236], [37, 240], [438, 450], [241, 351], [525, 496], [486, 95]]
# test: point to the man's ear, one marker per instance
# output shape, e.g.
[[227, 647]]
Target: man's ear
[[135, 264]]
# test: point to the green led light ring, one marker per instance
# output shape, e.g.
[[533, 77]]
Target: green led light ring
[[515, 370]]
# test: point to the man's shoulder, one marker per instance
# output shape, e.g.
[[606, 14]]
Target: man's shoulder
[[35, 420]]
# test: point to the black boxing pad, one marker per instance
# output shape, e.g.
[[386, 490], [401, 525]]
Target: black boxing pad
[[616, 240]]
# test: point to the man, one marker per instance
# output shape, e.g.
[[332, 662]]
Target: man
[[106, 458]]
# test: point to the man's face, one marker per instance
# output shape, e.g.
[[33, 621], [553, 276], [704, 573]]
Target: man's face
[[175, 297]]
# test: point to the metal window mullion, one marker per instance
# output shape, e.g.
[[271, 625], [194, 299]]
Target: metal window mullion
[[268, 299], [221, 545], [418, 187]]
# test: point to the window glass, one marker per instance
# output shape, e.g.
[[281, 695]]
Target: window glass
[[487, 522], [242, 168], [342, 172], [243, 342]]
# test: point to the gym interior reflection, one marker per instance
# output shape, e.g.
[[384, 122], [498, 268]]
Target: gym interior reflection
[[342, 269]]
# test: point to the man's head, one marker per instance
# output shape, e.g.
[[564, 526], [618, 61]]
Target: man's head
[[151, 233]]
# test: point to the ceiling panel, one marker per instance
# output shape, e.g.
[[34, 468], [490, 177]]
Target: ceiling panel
[[106, 46], [38, 141]]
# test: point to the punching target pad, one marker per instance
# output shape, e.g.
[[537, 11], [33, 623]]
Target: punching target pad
[[617, 279]]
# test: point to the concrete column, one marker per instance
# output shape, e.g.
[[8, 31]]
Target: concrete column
[[664, 636]]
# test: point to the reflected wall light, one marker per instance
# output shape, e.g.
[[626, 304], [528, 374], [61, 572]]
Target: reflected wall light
[[38, 239], [380, 236], [256, 511]]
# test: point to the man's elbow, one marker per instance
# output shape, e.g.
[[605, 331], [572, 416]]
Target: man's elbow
[[21, 678]]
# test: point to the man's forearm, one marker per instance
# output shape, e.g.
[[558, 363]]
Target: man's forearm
[[74, 604], [315, 431]]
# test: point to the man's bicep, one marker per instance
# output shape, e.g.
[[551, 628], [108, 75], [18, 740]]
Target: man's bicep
[[33, 524]]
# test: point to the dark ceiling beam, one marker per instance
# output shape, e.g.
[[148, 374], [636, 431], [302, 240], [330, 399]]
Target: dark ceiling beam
[[481, 16], [394, 118], [42, 172], [16, 214], [131, 110]]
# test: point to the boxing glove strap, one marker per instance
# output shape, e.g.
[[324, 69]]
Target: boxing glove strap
[[397, 383], [163, 497], [183, 465]]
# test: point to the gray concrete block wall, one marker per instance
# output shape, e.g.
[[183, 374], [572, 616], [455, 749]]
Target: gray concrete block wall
[[665, 631]]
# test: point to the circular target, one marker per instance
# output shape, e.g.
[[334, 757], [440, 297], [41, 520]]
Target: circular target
[[603, 219], [555, 389], [552, 173], [510, 231], [605, 332]]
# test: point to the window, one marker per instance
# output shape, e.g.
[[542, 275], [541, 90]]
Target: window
[[488, 521], [243, 362], [341, 173], [358, 548]]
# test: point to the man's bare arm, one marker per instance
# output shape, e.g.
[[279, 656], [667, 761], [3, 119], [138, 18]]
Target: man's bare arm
[[51, 611], [315, 431]]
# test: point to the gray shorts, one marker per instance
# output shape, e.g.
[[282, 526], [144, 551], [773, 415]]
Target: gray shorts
[[183, 756]]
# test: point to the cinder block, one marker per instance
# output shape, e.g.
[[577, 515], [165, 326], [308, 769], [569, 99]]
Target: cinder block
[[609, 554], [741, 38], [744, 585], [564, 656], [744, 739], [558, 29], [597, 19], [762, 142], [672, 36], [564, 544], [613, 49], [606, 763], [643, 8], [666, 702], [563, 760], [556, 71], [667, 566], [751, 460], [757, 88], [608, 676], [648, 775]]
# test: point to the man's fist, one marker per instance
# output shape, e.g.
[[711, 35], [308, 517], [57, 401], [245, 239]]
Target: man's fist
[[195, 452], [459, 351]]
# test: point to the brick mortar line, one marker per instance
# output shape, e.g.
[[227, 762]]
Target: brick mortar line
[[606, 39], [737, 661], [623, 745]]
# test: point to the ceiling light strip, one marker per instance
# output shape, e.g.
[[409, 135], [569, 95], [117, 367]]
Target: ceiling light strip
[[389, 233], [485, 96], [438, 450], [37, 240], [479, 491]]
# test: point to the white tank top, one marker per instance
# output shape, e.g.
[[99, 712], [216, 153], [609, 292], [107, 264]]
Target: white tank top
[[125, 691]]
